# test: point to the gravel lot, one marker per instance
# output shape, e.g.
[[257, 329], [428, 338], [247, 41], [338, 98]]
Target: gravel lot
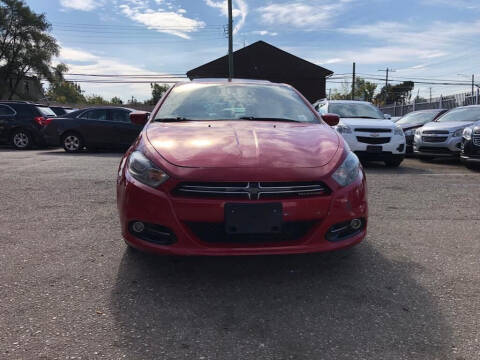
[[70, 290]]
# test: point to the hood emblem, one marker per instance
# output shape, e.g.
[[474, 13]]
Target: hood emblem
[[374, 134]]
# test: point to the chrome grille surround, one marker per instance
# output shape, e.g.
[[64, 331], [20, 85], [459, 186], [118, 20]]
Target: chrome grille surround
[[440, 132], [252, 190]]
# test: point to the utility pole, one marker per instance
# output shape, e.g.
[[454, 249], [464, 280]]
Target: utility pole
[[353, 82], [230, 40], [430, 94], [329, 93], [387, 71], [473, 83]]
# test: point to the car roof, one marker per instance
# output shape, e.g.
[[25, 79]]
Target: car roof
[[22, 102], [225, 80]]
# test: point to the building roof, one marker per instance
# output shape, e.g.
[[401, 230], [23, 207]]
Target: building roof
[[261, 60]]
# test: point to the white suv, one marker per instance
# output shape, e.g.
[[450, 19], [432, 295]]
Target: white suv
[[368, 132]]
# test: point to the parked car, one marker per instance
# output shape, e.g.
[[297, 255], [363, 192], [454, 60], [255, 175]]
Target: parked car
[[62, 110], [239, 168], [443, 137], [414, 120], [470, 153], [21, 123], [368, 132], [94, 127]]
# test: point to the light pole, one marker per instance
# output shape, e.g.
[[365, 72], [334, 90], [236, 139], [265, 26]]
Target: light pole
[[230, 40]]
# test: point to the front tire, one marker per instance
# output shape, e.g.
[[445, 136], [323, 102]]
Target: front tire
[[73, 142], [21, 140]]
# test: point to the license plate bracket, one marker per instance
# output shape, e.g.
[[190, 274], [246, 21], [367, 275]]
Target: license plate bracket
[[374, 149], [243, 218]]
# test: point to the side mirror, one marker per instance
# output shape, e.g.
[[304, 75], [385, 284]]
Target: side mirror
[[387, 116], [331, 119], [139, 117]]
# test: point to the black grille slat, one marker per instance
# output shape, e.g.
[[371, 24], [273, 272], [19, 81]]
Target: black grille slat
[[434, 150], [215, 233], [434, 139], [374, 130], [371, 140], [441, 132], [251, 190], [476, 140]]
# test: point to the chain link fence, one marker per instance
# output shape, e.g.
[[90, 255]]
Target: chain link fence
[[442, 102]]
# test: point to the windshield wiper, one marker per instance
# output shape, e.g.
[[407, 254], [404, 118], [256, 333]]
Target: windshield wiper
[[253, 118], [172, 119]]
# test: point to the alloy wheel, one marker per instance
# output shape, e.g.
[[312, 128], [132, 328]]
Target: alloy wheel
[[21, 140], [72, 143]]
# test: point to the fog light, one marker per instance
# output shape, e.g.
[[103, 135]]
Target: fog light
[[138, 226], [356, 224]]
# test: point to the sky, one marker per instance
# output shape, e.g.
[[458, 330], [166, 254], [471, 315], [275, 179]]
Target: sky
[[431, 39]]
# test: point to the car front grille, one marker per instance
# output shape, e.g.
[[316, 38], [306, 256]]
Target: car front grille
[[441, 132], [476, 139], [215, 233], [251, 190], [434, 139], [434, 150], [371, 140], [374, 130]]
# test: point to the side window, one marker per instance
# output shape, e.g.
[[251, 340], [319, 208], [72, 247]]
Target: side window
[[6, 110], [99, 114], [120, 115]]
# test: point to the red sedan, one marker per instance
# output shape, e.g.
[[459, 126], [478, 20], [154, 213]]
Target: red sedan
[[239, 168]]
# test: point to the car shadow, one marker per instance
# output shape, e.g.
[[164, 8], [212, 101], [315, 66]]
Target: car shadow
[[354, 305], [379, 167], [97, 153]]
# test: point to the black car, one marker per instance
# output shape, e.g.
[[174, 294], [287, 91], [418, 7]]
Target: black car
[[21, 123], [95, 127], [61, 110], [414, 120], [470, 154]]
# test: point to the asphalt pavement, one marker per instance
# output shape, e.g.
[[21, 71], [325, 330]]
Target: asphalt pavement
[[69, 289]]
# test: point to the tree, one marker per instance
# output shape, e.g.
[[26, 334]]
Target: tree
[[157, 93], [96, 100], [364, 90], [395, 93], [63, 91], [25, 45], [116, 101]]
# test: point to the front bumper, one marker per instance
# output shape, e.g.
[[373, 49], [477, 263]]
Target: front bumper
[[137, 202], [449, 148], [395, 147], [470, 152]]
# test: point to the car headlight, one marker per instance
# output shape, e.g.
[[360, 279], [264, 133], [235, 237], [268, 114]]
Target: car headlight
[[418, 132], [467, 133], [343, 129], [349, 171], [458, 133], [398, 131], [144, 171]]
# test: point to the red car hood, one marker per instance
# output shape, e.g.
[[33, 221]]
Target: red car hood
[[230, 144]]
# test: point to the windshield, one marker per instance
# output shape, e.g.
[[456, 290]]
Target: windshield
[[355, 110], [234, 102], [461, 114], [418, 118], [46, 111]]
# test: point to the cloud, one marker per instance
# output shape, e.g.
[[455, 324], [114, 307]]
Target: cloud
[[240, 11], [460, 4], [264, 33], [95, 64], [84, 5], [165, 21], [301, 14]]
